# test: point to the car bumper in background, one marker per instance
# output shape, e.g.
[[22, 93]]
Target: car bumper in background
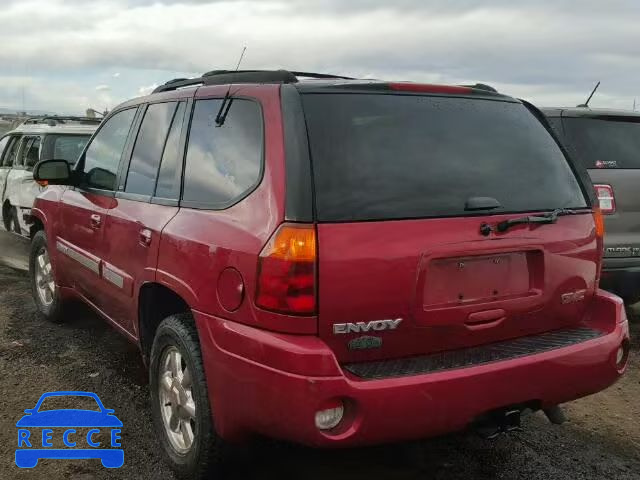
[[273, 384], [622, 277]]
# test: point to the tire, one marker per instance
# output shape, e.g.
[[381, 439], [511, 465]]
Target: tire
[[205, 454], [53, 310]]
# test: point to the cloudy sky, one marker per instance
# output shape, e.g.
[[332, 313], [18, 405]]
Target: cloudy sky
[[67, 55]]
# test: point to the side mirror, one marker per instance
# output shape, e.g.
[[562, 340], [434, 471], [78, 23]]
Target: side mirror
[[52, 172]]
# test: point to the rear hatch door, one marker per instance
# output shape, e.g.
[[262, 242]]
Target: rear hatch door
[[403, 185]]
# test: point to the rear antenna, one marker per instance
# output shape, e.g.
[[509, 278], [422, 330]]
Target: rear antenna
[[228, 100], [586, 104]]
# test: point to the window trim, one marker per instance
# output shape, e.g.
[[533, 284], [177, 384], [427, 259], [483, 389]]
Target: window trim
[[79, 167], [182, 152], [234, 201], [137, 197], [123, 172]]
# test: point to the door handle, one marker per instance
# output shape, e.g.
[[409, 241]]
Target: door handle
[[96, 221], [145, 237]]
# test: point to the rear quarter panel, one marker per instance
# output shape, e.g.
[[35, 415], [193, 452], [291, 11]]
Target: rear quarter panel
[[198, 245]]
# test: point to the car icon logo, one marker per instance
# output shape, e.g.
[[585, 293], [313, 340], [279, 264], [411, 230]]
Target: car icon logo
[[85, 434]]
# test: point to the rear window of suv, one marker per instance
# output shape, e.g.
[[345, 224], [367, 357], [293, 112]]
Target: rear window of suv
[[380, 157], [64, 147], [612, 142]]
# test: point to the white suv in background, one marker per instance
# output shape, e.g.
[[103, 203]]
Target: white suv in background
[[45, 138]]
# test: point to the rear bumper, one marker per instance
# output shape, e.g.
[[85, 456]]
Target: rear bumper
[[621, 276], [261, 382]]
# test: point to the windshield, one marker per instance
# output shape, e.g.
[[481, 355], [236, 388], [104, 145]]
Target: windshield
[[612, 142], [64, 147], [381, 157]]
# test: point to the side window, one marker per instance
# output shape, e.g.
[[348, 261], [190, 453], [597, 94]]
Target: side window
[[31, 152], [26, 144], [147, 151], [223, 163], [3, 145], [170, 173], [102, 158], [11, 153]]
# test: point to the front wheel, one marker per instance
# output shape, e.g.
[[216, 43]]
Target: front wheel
[[180, 401], [45, 292]]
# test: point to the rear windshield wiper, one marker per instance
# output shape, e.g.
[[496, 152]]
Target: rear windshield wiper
[[549, 217]]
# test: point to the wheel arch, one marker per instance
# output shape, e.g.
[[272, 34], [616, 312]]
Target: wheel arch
[[155, 303]]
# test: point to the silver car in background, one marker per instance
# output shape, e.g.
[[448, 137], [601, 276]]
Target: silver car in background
[[607, 143], [37, 139]]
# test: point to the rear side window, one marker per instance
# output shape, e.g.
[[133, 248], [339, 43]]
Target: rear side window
[[147, 152], [170, 174], [11, 153], [605, 142], [3, 144], [223, 163], [102, 157], [31, 152], [378, 157], [64, 147]]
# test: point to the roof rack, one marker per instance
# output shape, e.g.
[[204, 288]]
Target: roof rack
[[482, 86], [221, 77], [53, 120]]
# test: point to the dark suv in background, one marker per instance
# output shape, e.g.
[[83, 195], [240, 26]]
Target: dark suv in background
[[607, 142], [331, 261]]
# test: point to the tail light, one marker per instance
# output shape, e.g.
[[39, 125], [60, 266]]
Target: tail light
[[606, 199], [598, 219], [287, 271]]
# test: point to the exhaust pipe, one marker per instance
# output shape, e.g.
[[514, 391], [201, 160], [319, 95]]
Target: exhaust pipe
[[497, 423]]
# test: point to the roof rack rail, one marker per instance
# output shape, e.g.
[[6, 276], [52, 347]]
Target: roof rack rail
[[221, 77], [482, 86], [54, 119]]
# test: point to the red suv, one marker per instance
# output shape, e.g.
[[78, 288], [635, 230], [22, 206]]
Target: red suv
[[332, 261]]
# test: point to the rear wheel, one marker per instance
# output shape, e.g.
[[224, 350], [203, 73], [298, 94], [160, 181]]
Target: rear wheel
[[180, 402], [46, 294]]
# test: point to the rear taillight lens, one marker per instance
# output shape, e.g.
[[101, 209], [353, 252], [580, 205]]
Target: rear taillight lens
[[599, 221], [287, 271], [606, 199]]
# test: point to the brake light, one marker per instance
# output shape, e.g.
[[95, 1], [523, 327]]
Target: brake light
[[429, 88], [606, 199], [287, 271]]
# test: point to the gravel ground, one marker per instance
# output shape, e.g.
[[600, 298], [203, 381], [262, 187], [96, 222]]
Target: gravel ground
[[601, 440]]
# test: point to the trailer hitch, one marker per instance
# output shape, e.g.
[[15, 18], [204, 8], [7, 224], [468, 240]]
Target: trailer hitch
[[499, 422]]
